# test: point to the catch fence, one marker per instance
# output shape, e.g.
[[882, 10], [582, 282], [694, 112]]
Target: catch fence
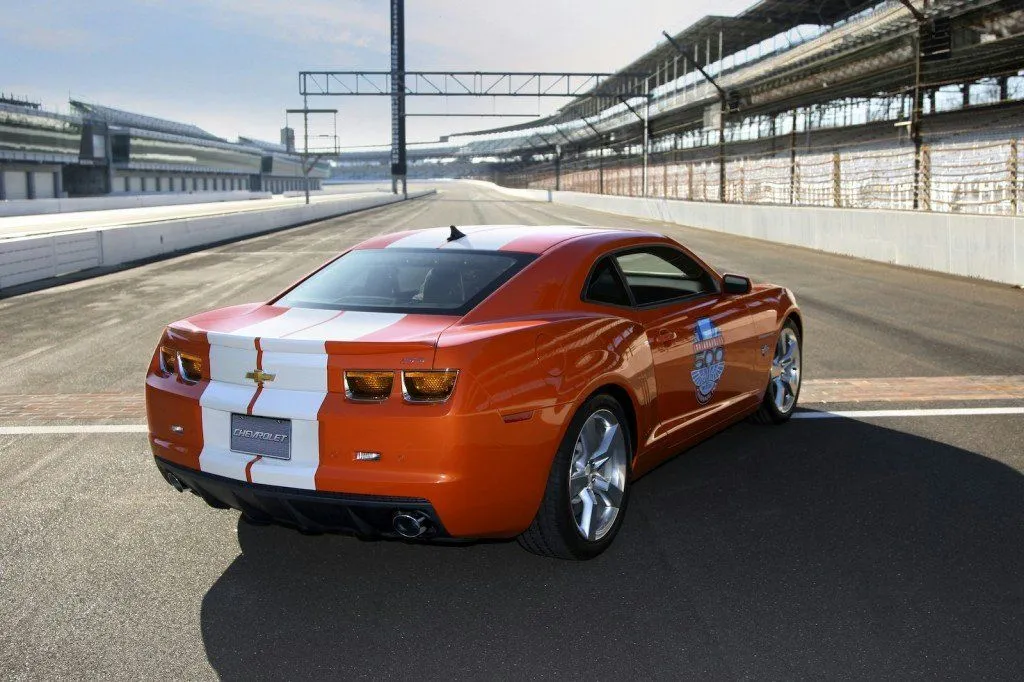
[[951, 177]]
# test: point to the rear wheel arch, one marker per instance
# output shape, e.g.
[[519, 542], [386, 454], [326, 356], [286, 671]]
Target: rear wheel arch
[[795, 316], [625, 400]]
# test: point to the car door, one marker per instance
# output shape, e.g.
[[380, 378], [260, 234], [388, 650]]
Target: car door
[[700, 339]]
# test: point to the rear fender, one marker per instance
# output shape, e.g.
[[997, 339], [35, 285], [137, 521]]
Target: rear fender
[[520, 366]]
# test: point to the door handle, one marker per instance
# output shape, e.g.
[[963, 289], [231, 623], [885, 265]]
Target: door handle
[[665, 336]]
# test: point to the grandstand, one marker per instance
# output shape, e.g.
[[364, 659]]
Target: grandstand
[[97, 150], [846, 103]]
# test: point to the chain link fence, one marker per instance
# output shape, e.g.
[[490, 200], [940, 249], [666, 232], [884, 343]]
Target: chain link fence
[[952, 177]]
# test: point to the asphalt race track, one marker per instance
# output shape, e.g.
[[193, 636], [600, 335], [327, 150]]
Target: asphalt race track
[[855, 548]]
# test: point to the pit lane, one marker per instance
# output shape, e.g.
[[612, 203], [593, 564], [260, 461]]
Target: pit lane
[[852, 547]]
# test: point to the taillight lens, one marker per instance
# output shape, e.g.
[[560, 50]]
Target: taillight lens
[[429, 386], [190, 367], [187, 366], [168, 360], [369, 384]]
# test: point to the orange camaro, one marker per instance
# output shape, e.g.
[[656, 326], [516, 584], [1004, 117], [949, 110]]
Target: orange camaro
[[491, 381]]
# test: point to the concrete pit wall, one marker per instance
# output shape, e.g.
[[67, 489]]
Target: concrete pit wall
[[30, 259], [108, 203], [986, 247]]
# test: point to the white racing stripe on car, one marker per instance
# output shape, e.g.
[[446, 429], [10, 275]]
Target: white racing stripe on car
[[302, 408], [424, 239], [229, 364], [218, 401], [217, 457], [295, 371], [350, 326], [232, 356], [491, 240], [291, 320]]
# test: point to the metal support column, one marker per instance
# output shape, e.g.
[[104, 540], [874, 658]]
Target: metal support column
[[723, 103], [647, 132], [398, 158], [108, 151], [558, 167], [1014, 172], [915, 120], [600, 154], [792, 161], [305, 145], [721, 154]]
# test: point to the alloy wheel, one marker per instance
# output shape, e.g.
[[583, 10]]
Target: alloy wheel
[[597, 475], [785, 372]]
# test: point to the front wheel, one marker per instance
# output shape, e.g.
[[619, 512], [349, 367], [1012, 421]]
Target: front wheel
[[587, 491], [783, 379]]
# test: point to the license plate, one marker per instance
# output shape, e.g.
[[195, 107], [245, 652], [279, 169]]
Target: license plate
[[261, 436]]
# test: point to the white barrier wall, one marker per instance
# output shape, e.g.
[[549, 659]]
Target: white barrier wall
[[987, 247], [107, 203], [30, 259]]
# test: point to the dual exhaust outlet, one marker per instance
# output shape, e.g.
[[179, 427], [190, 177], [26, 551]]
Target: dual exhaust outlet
[[410, 524]]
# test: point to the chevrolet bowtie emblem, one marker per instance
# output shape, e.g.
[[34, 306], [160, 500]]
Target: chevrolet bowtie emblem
[[259, 376]]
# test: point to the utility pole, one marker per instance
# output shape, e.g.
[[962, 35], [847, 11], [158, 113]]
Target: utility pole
[[307, 165]]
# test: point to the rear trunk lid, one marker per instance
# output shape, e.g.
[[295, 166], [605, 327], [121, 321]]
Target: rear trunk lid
[[297, 346]]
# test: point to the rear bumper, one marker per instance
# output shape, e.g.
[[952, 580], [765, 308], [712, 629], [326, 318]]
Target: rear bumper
[[307, 510]]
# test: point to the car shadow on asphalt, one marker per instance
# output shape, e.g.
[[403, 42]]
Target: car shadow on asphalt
[[823, 548]]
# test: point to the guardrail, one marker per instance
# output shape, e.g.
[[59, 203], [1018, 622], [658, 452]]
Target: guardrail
[[31, 259]]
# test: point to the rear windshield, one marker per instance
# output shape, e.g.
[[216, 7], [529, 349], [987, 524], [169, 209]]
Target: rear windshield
[[406, 280]]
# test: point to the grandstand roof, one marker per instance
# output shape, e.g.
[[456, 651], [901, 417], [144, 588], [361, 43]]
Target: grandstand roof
[[754, 24], [265, 146], [758, 22], [130, 120]]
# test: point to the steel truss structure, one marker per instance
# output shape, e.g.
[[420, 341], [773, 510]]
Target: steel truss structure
[[399, 84], [474, 84]]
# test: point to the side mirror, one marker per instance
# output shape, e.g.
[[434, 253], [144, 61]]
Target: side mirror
[[736, 284]]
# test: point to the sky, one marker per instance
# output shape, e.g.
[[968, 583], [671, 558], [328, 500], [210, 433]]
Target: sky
[[231, 66]]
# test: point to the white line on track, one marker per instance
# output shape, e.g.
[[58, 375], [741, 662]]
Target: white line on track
[[938, 412], [72, 428], [844, 414]]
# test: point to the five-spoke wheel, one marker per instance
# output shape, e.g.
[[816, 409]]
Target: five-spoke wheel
[[588, 485], [597, 475], [783, 378]]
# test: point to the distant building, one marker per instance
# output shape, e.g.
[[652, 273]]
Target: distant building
[[288, 139], [98, 150]]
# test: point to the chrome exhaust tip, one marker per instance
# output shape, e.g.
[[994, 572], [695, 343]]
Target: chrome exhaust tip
[[409, 524], [175, 481]]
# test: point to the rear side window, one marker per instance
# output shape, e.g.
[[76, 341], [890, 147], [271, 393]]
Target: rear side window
[[605, 285], [658, 274], [407, 280]]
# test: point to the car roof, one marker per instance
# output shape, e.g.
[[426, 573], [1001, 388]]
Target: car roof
[[517, 238]]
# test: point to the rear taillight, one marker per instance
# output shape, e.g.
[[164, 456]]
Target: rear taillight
[[168, 360], [188, 367], [429, 386], [368, 385]]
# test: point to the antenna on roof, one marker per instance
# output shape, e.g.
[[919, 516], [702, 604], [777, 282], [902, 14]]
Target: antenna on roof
[[455, 234]]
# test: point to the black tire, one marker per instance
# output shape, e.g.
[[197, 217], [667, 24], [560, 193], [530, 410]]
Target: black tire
[[553, 532], [768, 412]]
